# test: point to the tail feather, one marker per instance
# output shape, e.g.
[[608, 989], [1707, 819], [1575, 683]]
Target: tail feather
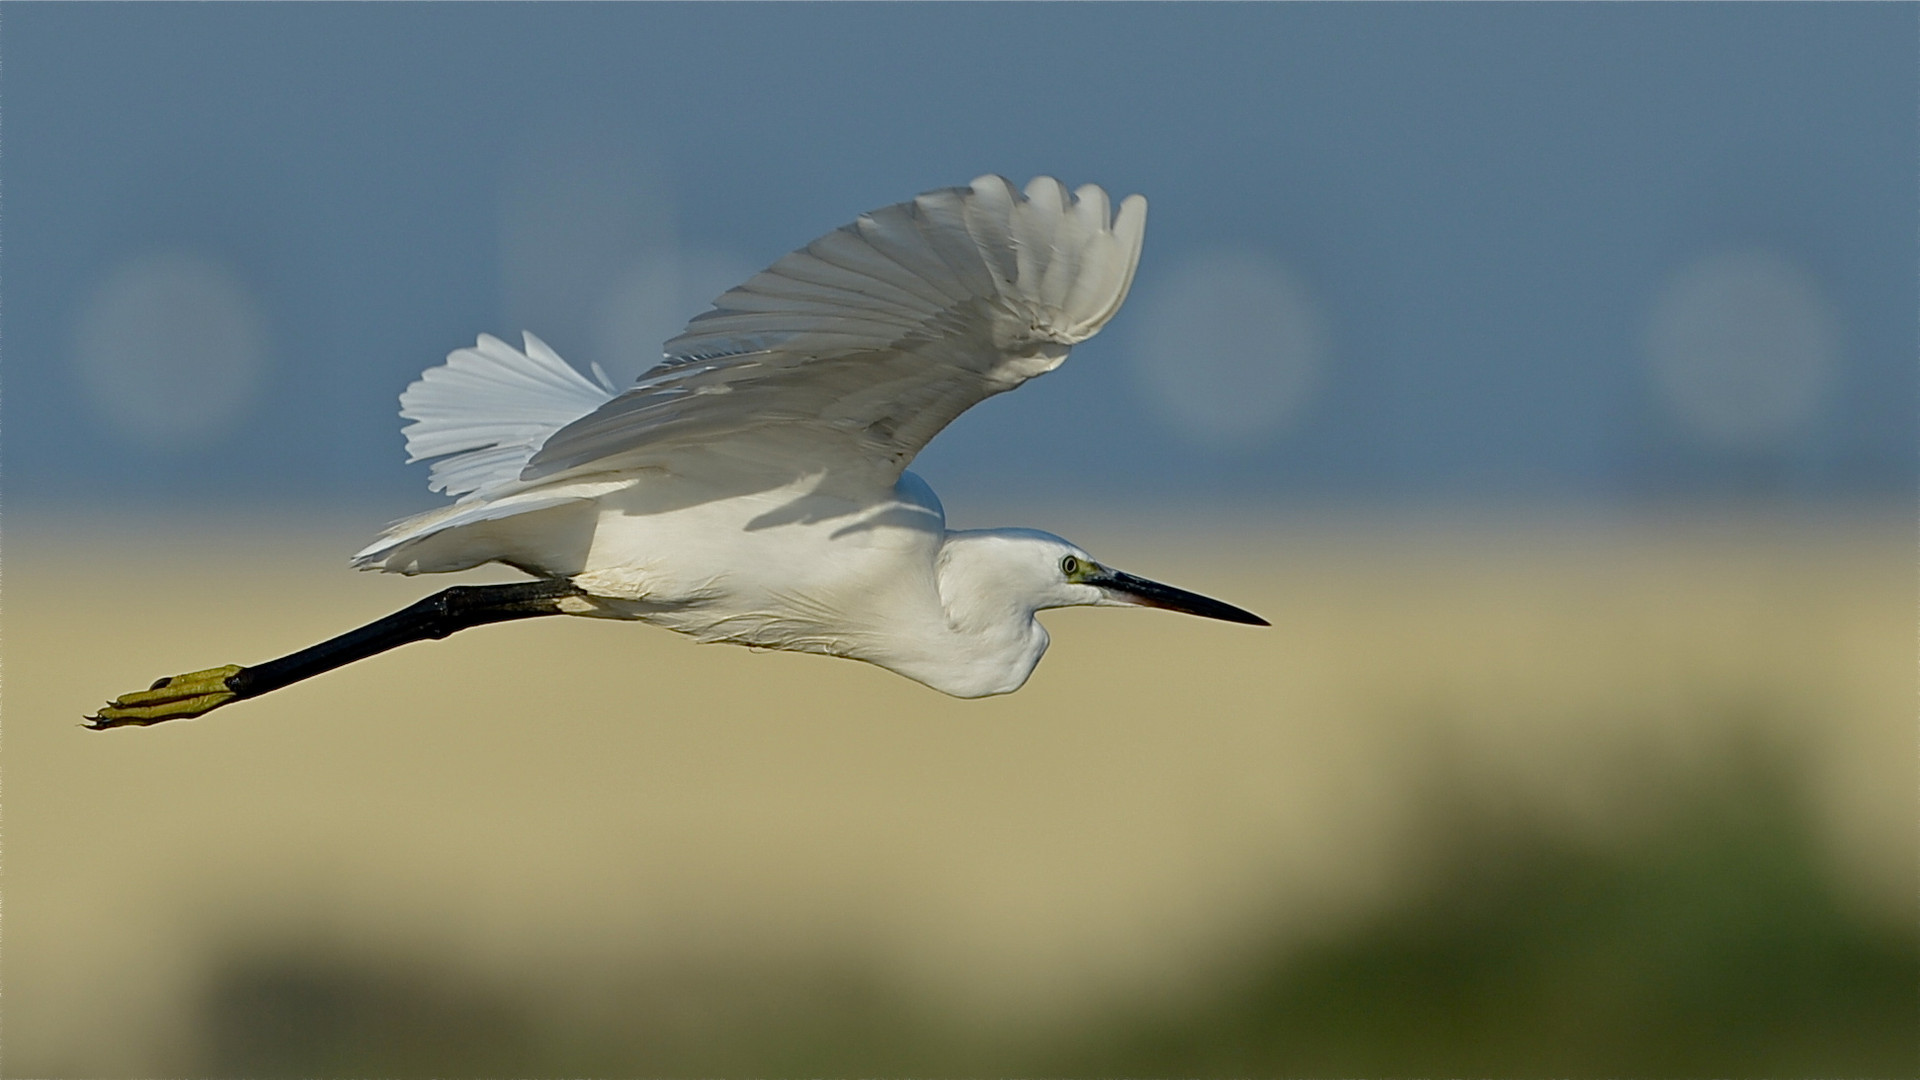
[[487, 410], [483, 414], [398, 550]]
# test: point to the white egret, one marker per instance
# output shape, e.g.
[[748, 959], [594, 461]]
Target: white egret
[[751, 488]]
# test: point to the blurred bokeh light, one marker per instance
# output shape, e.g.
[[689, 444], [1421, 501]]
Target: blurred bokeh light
[[1744, 349], [171, 349], [1229, 348]]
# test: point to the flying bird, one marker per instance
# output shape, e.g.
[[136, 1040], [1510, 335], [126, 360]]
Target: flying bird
[[752, 487]]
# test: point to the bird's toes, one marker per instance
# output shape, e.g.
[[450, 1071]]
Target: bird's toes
[[180, 697]]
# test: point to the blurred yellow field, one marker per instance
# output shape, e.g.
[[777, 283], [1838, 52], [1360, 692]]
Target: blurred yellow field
[[541, 803]]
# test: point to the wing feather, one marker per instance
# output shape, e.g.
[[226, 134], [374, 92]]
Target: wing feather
[[851, 353], [894, 232], [798, 291], [851, 250]]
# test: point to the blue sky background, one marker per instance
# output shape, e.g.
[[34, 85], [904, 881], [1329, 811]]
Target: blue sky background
[[1482, 209]]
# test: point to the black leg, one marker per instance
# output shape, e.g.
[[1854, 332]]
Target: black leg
[[446, 612]]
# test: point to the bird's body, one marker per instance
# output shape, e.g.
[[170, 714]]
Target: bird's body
[[874, 579], [752, 488]]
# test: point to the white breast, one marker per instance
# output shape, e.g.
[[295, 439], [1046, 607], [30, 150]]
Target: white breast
[[784, 568]]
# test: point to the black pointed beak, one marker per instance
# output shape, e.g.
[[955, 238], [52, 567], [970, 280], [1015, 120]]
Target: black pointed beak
[[1138, 590]]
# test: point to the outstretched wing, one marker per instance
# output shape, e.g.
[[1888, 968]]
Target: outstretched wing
[[851, 353]]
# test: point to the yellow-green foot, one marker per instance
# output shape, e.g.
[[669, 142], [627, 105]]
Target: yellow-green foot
[[179, 698]]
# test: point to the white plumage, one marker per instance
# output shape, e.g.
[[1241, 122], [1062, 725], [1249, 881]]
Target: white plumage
[[751, 487], [487, 409]]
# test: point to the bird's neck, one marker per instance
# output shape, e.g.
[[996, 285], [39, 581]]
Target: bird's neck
[[992, 641]]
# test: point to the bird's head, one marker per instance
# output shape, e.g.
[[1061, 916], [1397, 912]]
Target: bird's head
[[1038, 570]]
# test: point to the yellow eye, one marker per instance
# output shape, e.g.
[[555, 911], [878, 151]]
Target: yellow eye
[[1069, 566]]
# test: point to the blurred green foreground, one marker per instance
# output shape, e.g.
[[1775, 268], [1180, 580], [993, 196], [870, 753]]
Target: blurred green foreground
[[1509, 800]]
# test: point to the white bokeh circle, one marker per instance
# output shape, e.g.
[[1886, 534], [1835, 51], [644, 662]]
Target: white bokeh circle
[[1743, 348], [1229, 347], [171, 348], [572, 216], [653, 299]]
